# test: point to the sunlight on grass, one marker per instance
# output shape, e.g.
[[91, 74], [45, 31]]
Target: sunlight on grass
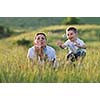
[[14, 65]]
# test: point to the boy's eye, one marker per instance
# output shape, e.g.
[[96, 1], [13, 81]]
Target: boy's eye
[[70, 34]]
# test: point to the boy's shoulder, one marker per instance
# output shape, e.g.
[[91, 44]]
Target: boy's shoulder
[[78, 39], [67, 41]]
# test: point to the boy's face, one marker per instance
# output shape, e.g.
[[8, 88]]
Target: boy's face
[[71, 35], [40, 40]]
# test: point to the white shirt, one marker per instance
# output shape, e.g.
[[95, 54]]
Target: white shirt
[[71, 45], [49, 51]]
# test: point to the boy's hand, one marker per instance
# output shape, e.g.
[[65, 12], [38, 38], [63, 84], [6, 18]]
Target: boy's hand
[[77, 44], [59, 43]]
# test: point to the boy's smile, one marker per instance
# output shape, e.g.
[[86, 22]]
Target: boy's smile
[[71, 35]]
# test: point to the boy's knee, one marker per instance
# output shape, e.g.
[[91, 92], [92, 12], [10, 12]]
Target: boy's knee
[[71, 57], [80, 54], [83, 54]]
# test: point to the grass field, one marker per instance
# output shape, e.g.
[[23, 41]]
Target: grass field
[[14, 67]]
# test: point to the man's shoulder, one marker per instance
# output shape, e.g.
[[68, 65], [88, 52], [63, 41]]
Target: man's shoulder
[[50, 48], [31, 48]]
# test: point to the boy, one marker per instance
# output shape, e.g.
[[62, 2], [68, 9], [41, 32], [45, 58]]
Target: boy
[[76, 46]]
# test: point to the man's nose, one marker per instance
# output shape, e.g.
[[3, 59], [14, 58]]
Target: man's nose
[[41, 39]]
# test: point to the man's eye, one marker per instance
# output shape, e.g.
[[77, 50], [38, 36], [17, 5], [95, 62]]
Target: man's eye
[[38, 38], [43, 38]]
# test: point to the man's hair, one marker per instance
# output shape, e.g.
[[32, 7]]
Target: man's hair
[[72, 29], [40, 33]]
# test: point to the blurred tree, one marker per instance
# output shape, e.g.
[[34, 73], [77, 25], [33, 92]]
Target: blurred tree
[[71, 20], [2, 29], [4, 32], [23, 42]]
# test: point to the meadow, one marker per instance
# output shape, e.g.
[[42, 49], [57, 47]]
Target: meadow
[[14, 66]]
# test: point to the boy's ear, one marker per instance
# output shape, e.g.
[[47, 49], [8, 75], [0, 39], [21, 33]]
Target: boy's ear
[[76, 33]]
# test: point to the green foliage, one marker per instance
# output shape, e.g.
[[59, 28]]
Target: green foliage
[[23, 42], [29, 22], [37, 22], [71, 20], [3, 32]]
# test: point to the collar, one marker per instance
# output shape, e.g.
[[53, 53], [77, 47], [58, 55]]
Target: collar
[[45, 49]]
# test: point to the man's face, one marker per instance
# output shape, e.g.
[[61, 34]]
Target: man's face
[[40, 41], [71, 35]]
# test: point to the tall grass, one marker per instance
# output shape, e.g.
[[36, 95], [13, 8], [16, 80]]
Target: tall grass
[[14, 66]]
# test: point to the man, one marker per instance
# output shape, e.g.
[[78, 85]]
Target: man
[[41, 51]]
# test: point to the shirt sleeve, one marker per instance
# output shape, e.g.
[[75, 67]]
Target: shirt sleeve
[[66, 43], [30, 53], [82, 43], [51, 54]]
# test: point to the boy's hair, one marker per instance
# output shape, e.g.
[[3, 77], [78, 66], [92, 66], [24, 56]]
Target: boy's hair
[[40, 33], [72, 28]]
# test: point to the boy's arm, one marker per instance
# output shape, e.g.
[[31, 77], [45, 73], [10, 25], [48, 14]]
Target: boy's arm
[[83, 47], [61, 45], [80, 46]]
